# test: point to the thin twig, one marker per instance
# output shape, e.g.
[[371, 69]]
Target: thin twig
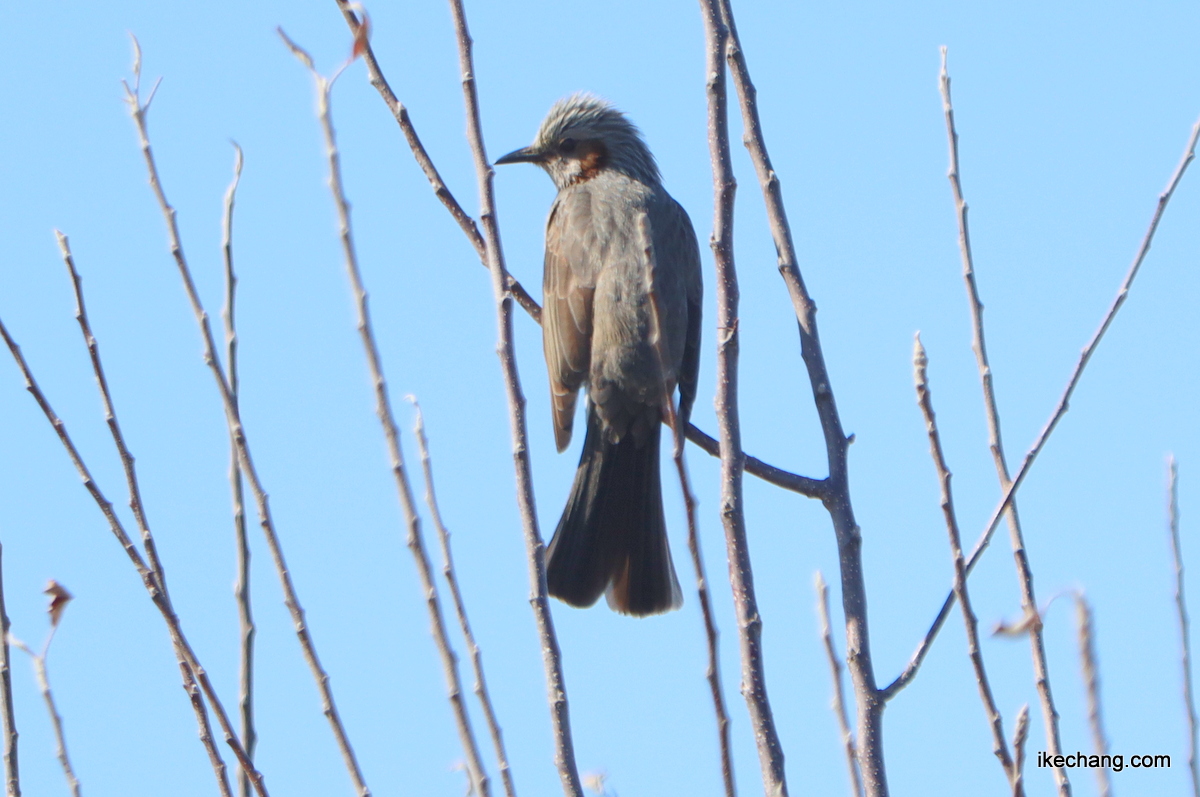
[[138, 111], [12, 780], [1090, 666], [135, 503], [811, 488], [460, 608], [383, 408], [996, 442], [836, 498], [59, 598], [741, 577], [241, 587], [995, 722], [149, 579], [689, 502], [564, 748], [1060, 410], [1189, 699], [1020, 737], [469, 228], [196, 697], [835, 670]]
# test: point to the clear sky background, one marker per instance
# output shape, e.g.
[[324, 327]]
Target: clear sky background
[[1072, 117]]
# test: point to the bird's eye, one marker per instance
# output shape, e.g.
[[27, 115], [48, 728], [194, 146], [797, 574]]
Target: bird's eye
[[567, 146]]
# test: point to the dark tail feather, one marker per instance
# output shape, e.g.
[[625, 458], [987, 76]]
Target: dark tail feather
[[612, 536]]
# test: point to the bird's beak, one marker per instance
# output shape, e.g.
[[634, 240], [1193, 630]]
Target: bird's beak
[[522, 155]]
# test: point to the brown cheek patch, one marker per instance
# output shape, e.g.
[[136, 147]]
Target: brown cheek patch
[[593, 157]]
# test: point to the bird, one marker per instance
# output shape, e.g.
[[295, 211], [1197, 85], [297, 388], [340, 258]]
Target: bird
[[622, 295]]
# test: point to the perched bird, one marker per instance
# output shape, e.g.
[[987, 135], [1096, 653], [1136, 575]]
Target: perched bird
[[622, 264]]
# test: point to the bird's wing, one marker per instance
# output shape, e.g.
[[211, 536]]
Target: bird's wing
[[569, 282], [678, 238]]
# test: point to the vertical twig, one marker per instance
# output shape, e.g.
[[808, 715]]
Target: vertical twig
[[741, 576], [12, 780], [835, 669], [995, 722], [1090, 666], [59, 598], [1020, 737], [138, 111], [564, 754], [996, 442], [836, 497], [1189, 700], [383, 408], [689, 502], [460, 608], [241, 587], [914, 664], [139, 510]]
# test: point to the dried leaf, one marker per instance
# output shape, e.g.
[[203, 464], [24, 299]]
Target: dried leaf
[[59, 598], [362, 34]]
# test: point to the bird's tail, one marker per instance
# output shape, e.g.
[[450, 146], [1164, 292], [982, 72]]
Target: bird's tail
[[612, 537]]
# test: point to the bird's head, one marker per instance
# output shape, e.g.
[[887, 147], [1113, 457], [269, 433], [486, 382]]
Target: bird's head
[[582, 136]]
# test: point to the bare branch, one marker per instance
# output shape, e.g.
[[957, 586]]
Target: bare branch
[[212, 360], [564, 755], [1060, 410], [465, 222], [835, 669], [43, 679], [12, 780], [996, 442], [1189, 699], [837, 496], [481, 690], [812, 488], [671, 416], [139, 510], [1090, 665], [149, 579], [383, 408], [754, 685], [241, 588], [925, 400], [1020, 737]]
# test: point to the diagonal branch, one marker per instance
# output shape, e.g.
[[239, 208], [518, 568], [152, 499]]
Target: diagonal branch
[[383, 408], [138, 111], [465, 222], [139, 510], [564, 748], [149, 579], [914, 664], [996, 444], [481, 690], [925, 400]]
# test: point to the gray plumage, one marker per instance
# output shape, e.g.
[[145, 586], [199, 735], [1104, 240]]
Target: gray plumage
[[615, 239]]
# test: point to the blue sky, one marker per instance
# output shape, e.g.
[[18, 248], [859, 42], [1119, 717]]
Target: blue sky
[[1071, 116]]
